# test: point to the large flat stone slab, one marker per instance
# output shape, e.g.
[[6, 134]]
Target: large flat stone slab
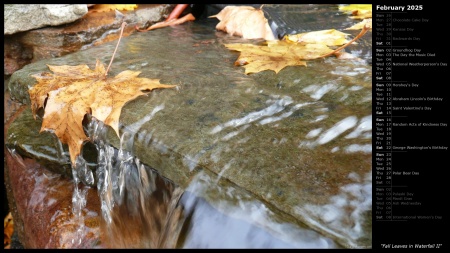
[[299, 141]]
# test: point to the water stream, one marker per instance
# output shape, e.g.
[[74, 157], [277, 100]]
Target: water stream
[[262, 161], [141, 209]]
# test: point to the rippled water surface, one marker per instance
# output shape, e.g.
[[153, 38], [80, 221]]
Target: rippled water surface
[[229, 160]]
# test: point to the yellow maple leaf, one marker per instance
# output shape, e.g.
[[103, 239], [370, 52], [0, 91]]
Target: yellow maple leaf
[[330, 37], [73, 91], [244, 21], [358, 11], [111, 7], [358, 26], [8, 229], [276, 55]]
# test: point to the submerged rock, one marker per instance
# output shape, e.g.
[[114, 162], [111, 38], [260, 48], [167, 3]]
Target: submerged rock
[[298, 141]]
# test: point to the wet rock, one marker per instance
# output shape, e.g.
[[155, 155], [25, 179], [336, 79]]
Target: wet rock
[[11, 107], [24, 130], [16, 55], [302, 147], [92, 29], [42, 146], [41, 204], [15, 242], [88, 30], [24, 17], [40, 200]]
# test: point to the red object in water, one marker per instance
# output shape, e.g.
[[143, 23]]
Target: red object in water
[[176, 12]]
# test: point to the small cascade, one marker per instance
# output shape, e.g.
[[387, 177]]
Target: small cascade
[[80, 174], [139, 207]]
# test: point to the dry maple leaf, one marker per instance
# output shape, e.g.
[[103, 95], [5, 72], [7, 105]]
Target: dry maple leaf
[[358, 11], [276, 55], [8, 229], [244, 21], [73, 91], [111, 7], [330, 37], [358, 26]]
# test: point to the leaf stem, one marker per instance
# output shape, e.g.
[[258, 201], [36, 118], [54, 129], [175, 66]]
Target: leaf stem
[[115, 50], [363, 31]]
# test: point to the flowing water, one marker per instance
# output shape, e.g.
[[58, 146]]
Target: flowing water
[[141, 209], [311, 128]]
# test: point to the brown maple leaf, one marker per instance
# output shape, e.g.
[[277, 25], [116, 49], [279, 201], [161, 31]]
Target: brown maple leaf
[[244, 21], [292, 51], [73, 91], [111, 7], [8, 229], [276, 55], [358, 11], [329, 37], [364, 23]]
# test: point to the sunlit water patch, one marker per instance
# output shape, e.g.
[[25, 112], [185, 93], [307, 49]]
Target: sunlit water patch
[[278, 109], [318, 91], [363, 130], [331, 133], [350, 71], [275, 107]]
